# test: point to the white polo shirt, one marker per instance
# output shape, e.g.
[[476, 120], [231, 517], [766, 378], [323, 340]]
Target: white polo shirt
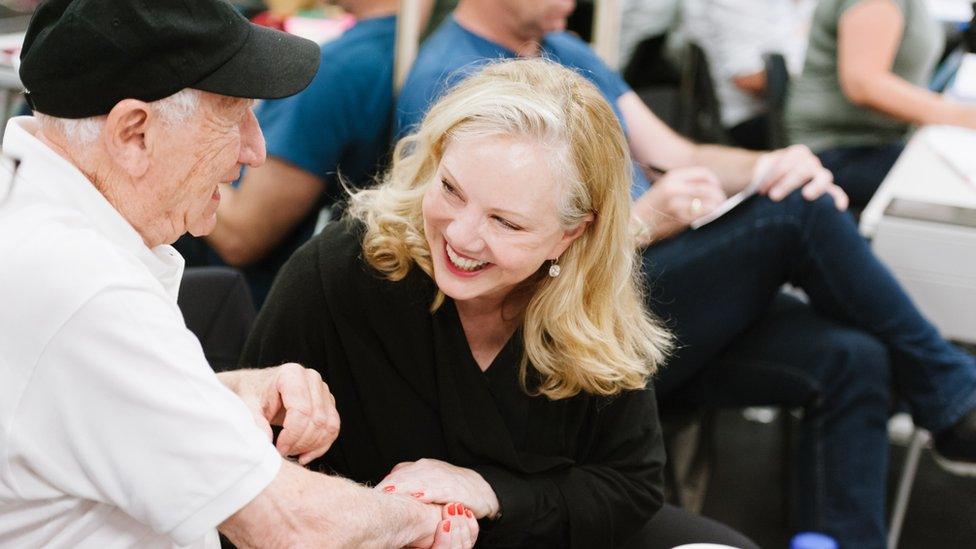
[[114, 431]]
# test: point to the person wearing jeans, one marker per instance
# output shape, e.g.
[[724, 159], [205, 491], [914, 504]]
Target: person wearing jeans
[[861, 168], [859, 322]]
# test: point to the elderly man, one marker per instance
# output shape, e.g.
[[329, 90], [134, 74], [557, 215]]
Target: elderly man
[[340, 124], [718, 286], [113, 429]]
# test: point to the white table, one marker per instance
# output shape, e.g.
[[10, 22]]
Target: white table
[[951, 11], [922, 222]]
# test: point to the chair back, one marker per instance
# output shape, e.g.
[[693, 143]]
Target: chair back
[[700, 114], [777, 91], [218, 309]]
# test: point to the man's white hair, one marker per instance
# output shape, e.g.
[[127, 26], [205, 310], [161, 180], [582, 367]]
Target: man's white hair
[[174, 110]]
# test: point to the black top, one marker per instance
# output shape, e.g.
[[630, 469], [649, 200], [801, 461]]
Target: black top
[[577, 472]]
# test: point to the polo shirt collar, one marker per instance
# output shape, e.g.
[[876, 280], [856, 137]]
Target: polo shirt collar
[[43, 168], [493, 50], [370, 24]]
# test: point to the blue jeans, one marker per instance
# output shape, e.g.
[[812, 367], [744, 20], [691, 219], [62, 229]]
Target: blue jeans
[[715, 287], [860, 170]]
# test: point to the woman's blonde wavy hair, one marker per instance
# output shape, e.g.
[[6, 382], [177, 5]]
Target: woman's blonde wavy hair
[[587, 329]]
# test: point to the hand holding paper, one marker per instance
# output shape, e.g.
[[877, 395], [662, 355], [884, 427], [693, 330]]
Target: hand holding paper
[[677, 199], [779, 173]]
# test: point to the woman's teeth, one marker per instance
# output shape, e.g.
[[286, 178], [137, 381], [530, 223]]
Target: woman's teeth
[[463, 263]]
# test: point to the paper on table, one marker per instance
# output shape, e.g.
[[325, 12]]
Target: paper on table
[[964, 84], [950, 11], [957, 147], [732, 201]]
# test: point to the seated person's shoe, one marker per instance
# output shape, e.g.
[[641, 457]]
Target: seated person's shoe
[[955, 447]]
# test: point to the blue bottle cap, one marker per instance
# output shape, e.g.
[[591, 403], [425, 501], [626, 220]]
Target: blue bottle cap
[[812, 540]]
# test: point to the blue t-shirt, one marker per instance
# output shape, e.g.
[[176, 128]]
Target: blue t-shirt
[[453, 52], [340, 124]]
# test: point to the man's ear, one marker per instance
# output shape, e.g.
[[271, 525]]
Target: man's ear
[[124, 136]]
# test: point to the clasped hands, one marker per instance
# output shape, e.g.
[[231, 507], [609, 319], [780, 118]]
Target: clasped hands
[[461, 491], [683, 195], [298, 400]]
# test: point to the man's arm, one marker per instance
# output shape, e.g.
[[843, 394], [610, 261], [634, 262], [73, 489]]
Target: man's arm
[[653, 142], [302, 508], [683, 195], [733, 43], [270, 201], [754, 82]]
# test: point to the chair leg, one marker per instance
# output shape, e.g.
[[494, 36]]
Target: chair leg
[[918, 442], [788, 472], [689, 458]]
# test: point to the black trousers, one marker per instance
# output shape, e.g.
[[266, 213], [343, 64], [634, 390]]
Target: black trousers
[[673, 526]]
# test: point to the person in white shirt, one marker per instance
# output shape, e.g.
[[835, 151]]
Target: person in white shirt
[[642, 19], [114, 431], [735, 34]]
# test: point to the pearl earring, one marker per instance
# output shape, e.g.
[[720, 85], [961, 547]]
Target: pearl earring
[[554, 268]]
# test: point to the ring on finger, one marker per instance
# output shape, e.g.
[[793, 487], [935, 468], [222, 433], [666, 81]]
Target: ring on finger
[[696, 205]]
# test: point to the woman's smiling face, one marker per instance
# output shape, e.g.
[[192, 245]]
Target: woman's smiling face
[[491, 216]]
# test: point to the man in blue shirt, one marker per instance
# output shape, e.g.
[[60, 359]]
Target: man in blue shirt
[[338, 128], [718, 286]]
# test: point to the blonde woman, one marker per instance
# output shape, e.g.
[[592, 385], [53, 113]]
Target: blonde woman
[[479, 319]]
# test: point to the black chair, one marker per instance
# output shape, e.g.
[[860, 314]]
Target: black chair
[[700, 114], [655, 79], [217, 307], [699, 110], [724, 385], [777, 92]]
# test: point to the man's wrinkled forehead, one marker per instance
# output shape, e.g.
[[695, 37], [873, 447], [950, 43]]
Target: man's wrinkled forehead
[[226, 106]]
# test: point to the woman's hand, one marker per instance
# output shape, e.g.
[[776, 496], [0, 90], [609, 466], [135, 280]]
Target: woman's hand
[[785, 170], [435, 481], [458, 530], [681, 196]]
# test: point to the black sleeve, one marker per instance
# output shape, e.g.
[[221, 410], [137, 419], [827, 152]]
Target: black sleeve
[[602, 500]]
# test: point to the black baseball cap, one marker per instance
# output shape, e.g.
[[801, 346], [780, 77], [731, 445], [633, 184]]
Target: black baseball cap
[[81, 57]]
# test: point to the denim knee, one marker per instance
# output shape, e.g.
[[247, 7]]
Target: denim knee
[[822, 205], [794, 213], [857, 365]]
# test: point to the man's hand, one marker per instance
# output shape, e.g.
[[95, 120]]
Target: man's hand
[[301, 508], [785, 170], [435, 481], [294, 398], [678, 198]]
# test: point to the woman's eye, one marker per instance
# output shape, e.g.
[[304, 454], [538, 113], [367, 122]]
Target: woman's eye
[[449, 188], [507, 224]]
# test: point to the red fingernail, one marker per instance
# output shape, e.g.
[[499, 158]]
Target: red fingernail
[[447, 527], [469, 513], [460, 509], [417, 494], [450, 509], [389, 489]]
